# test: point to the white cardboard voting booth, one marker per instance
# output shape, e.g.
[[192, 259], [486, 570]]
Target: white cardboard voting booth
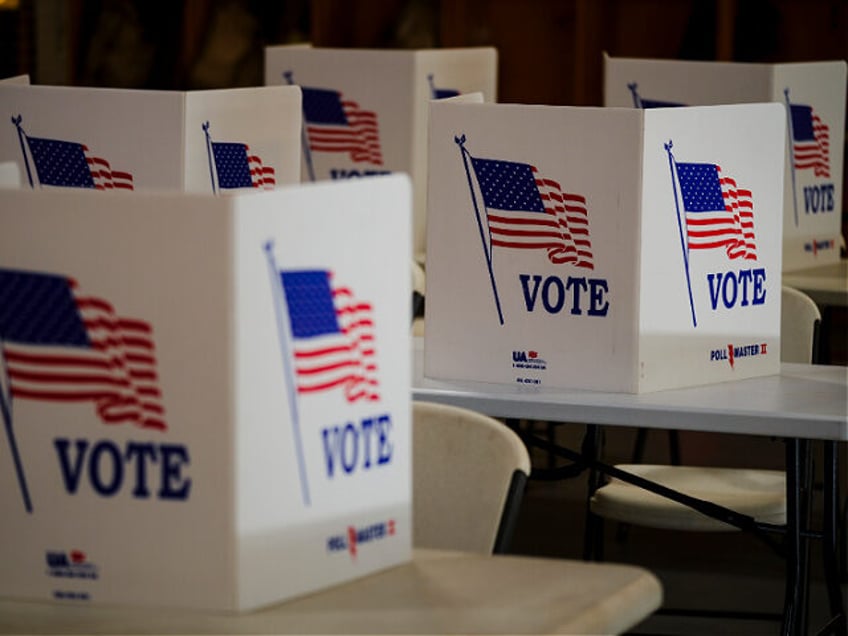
[[17, 79], [220, 141], [365, 111], [205, 399], [10, 176], [611, 249], [814, 95]]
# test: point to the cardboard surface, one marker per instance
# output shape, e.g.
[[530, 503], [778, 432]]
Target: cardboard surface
[[365, 111], [814, 94], [220, 141], [17, 79], [172, 435], [555, 251]]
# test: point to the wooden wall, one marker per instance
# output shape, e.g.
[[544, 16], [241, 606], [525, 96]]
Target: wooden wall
[[550, 51]]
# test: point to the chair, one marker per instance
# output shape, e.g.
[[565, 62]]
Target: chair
[[418, 283], [759, 494], [469, 472], [795, 342]]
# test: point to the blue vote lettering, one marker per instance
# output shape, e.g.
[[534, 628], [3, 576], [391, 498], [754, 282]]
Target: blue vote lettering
[[818, 198], [107, 467], [745, 287], [354, 446], [556, 294], [354, 174]]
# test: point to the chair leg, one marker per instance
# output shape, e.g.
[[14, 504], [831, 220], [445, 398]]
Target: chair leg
[[806, 512], [641, 439], [593, 538], [551, 436], [843, 542], [794, 592], [639, 446], [593, 541], [674, 447], [623, 529], [831, 507]]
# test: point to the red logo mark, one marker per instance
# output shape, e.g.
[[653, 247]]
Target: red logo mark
[[351, 540]]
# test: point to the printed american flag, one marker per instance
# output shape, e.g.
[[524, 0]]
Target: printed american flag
[[642, 102], [333, 335], [438, 92], [60, 345], [236, 167], [68, 164], [444, 93], [527, 211], [335, 124], [718, 213], [657, 103], [810, 141]]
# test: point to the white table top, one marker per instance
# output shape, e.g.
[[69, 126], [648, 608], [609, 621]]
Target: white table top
[[803, 401], [825, 284], [438, 592]]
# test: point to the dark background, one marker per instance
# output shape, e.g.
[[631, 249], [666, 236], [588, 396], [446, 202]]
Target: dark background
[[550, 51]]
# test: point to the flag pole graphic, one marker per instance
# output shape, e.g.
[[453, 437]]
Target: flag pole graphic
[[460, 141], [791, 152], [6, 407], [283, 327], [21, 134], [637, 102], [432, 86], [209, 156], [304, 139], [683, 246]]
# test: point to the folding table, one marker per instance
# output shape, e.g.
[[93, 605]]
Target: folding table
[[802, 403], [438, 592]]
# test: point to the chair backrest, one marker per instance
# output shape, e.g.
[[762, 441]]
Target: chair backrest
[[468, 477], [799, 325], [418, 278], [418, 283]]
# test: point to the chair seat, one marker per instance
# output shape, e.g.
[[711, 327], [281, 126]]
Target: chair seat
[[758, 493], [418, 327]]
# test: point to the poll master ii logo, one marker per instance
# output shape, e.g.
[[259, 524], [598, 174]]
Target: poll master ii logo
[[60, 345], [518, 208], [734, 352], [819, 245], [714, 213], [354, 537]]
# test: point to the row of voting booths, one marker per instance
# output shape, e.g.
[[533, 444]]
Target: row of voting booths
[[204, 296], [204, 330]]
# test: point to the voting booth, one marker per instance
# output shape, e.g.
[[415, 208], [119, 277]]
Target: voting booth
[[217, 141], [609, 249], [813, 94], [206, 400], [365, 111], [16, 79]]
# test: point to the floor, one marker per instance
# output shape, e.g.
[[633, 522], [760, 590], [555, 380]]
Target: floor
[[727, 571]]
